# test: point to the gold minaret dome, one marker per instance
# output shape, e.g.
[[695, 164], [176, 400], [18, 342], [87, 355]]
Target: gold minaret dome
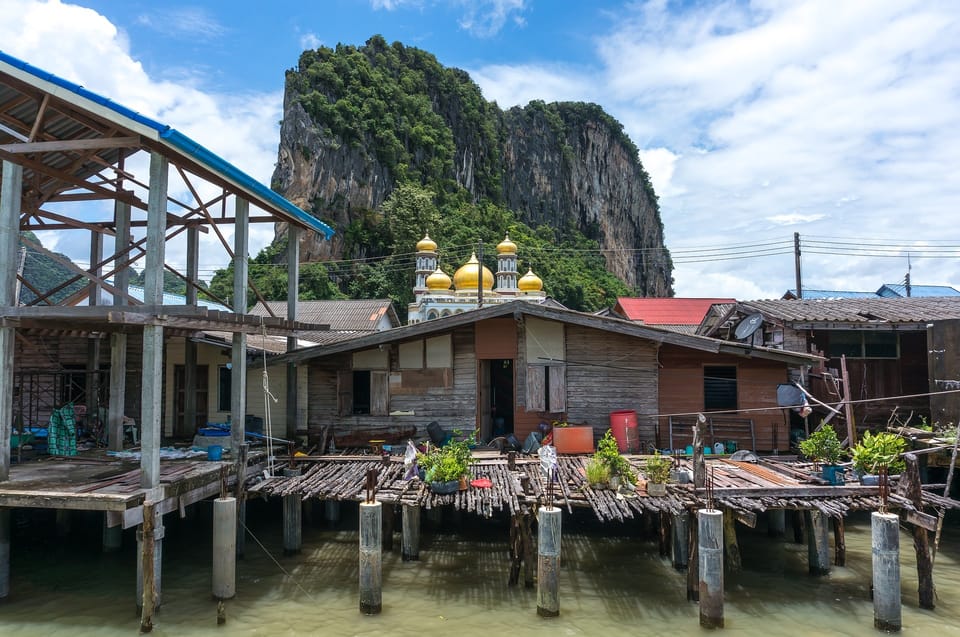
[[506, 246], [530, 282], [438, 281], [426, 244], [465, 278]]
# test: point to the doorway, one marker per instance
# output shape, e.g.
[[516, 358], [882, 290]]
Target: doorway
[[181, 428], [496, 398]]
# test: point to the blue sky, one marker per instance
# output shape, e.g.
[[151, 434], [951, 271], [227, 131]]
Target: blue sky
[[755, 120]]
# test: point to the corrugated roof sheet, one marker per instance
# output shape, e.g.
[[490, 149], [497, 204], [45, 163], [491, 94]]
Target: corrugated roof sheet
[[829, 294], [670, 311], [363, 315], [899, 289], [862, 310]]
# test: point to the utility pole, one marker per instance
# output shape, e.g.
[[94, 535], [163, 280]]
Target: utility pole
[[907, 280], [480, 275], [796, 260]]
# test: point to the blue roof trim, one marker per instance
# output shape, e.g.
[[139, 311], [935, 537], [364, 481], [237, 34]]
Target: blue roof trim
[[181, 142]]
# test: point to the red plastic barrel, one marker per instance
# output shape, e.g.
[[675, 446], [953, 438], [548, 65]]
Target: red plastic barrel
[[623, 424]]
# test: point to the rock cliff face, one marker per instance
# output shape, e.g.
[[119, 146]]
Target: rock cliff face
[[564, 165]]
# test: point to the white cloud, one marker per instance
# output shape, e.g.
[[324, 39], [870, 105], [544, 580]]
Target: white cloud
[[660, 164], [183, 22], [485, 18], [310, 41], [73, 43], [517, 85], [793, 219]]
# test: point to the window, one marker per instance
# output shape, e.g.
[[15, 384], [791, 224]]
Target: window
[[719, 387], [854, 344], [224, 387], [361, 392], [546, 388]]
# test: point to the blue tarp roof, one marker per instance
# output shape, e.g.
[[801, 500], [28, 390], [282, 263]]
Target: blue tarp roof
[[182, 143], [900, 290]]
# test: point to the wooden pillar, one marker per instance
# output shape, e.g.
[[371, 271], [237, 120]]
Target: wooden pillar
[[388, 515], [818, 543], [733, 560], [371, 575], [92, 384], [189, 425], [548, 562], [331, 512], [839, 542], [224, 548], [293, 283], [665, 532], [776, 522], [118, 341], [710, 533], [909, 486], [292, 518], [238, 376], [241, 495], [796, 515], [885, 541], [693, 561], [11, 188], [410, 542], [5, 533], [112, 536], [681, 539], [149, 560]]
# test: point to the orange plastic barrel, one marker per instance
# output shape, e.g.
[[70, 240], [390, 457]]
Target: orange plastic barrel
[[623, 424]]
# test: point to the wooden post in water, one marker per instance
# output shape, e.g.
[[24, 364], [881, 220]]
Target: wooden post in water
[[292, 518], [147, 580], [798, 523], [885, 540], [371, 576], [331, 512], [387, 527], [818, 543], [681, 539], [548, 562], [710, 533], [909, 486], [665, 533], [112, 536], [155, 553], [839, 542], [4, 552], [241, 495], [776, 522], [693, 560], [224, 548], [731, 547], [410, 542]]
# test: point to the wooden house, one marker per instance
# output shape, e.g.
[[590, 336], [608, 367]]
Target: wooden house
[[885, 342], [504, 369]]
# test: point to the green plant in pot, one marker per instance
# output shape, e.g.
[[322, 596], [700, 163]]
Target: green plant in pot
[[598, 473], [445, 467], [608, 453], [876, 452], [824, 448], [657, 471]]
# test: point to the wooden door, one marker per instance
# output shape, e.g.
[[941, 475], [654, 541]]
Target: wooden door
[[180, 427]]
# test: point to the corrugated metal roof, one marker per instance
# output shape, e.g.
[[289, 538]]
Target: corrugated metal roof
[[828, 294], [900, 290], [351, 315], [667, 311], [863, 310]]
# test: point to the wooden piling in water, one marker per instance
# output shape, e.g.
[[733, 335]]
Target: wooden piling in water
[[548, 562], [224, 548], [331, 512], [693, 560], [5, 533], [665, 533], [681, 539], [910, 487], [818, 543], [796, 515], [885, 540], [710, 534], [410, 540], [776, 522], [240, 493], [148, 568], [387, 530], [732, 558], [371, 567], [839, 542], [292, 518], [112, 538], [154, 540]]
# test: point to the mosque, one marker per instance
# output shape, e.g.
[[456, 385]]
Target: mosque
[[434, 298]]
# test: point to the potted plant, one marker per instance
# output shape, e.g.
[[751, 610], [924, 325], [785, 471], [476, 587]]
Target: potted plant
[[598, 473], [876, 452], [608, 455], [445, 468], [824, 449], [657, 471]]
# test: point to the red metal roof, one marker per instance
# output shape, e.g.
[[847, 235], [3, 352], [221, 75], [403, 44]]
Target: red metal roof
[[670, 311]]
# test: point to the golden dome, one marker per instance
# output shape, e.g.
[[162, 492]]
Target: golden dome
[[438, 281], [426, 244], [530, 282], [466, 277], [506, 246]]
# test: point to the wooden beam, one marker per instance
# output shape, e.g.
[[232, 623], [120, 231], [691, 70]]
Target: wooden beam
[[71, 144]]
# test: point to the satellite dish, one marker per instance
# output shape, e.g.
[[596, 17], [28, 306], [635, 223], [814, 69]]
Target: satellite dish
[[748, 326]]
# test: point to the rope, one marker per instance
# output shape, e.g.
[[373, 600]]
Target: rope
[[267, 397], [280, 566]]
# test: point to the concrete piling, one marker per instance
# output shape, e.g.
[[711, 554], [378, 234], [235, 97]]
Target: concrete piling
[[681, 532], [885, 542], [548, 562], [224, 548], [112, 537], [818, 542], [710, 534], [331, 512], [371, 567]]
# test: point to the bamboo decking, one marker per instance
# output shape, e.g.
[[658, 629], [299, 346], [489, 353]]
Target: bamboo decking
[[746, 488]]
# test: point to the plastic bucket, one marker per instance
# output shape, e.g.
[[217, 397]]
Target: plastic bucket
[[214, 452], [623, 424]]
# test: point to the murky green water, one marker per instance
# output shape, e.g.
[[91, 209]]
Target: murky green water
[[611, 584]]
